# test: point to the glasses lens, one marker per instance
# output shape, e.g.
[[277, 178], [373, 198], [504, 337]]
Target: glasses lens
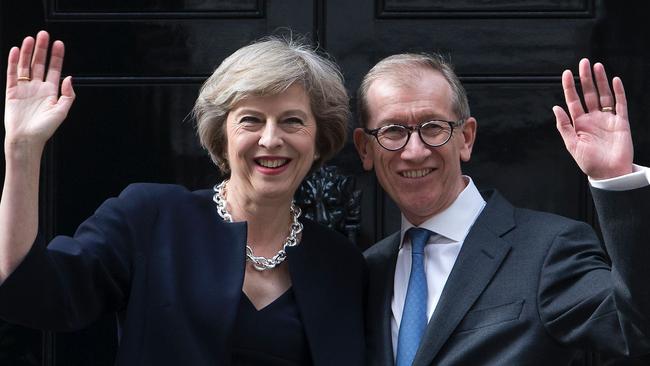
[[435, 133], [392, 137]]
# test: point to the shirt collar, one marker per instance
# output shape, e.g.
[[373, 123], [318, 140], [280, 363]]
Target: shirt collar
[[455, 221]]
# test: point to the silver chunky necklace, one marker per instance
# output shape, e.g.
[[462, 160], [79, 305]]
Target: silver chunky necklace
[[260, 263]]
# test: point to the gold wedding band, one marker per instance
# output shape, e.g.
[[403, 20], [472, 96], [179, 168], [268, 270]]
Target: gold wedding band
[[607, 109], [24, 78]]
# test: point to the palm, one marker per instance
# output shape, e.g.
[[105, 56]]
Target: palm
[[603, 141], [599, 141], [33, 108]]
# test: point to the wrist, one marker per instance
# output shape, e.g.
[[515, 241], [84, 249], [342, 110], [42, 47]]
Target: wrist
[[640, 177], [615, 173], [23, 149]]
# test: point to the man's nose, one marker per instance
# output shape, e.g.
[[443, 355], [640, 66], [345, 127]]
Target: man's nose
[[415, 149]]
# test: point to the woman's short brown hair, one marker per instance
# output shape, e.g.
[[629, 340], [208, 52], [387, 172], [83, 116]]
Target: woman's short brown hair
[[268, 67]]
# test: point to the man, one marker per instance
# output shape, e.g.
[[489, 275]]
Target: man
[[487, 283]]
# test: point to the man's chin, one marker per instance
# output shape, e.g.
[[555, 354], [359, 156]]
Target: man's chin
[[415, 209]]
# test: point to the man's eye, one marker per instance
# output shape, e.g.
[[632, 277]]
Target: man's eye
[[393, 132], [432, 128], [393, 129]]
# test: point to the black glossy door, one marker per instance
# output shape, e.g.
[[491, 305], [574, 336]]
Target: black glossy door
[[138, 65]]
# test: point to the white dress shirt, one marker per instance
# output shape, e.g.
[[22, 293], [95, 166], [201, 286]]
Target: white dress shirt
[[450, 227], [637, 179]]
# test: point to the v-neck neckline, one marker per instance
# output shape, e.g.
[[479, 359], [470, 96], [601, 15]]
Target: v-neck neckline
[[278, 299]]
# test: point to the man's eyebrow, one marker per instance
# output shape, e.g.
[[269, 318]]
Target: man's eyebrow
[[422, 119]]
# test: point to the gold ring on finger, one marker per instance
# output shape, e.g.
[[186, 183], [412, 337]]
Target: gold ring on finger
[[607, 109], [24, 78]]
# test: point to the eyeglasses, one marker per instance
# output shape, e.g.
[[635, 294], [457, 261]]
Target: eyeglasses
[[433, 133]]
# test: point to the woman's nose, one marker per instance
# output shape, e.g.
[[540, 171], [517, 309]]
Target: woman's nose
[[271, 135]]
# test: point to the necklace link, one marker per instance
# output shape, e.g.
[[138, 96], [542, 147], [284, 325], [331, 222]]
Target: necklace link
[[261, 263]]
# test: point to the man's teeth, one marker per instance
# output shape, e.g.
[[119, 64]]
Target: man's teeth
[[271, 163], [416, 173]]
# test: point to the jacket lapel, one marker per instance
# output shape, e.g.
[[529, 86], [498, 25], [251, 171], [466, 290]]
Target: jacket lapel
[[381, 265], [222, 250], [327, 309], [480, 257]]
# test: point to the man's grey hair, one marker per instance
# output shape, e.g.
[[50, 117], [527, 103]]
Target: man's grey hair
[[405, 68]]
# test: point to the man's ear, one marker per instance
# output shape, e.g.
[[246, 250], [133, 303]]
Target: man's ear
[[468, 133], [365, 150]]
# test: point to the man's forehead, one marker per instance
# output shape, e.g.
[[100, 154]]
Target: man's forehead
[[409, 81], [405, 75], [425, 97]]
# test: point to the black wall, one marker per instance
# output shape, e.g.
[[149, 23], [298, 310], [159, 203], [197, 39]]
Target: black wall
[[137, 67]]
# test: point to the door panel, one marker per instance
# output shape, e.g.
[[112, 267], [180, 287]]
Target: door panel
[[509, 55], [138, 66]]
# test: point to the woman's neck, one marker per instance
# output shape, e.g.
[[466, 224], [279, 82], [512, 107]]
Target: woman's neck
[[268, 219]]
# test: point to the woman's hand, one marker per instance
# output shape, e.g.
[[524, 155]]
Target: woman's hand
[[33, 107], [33, 111], [599, 138]]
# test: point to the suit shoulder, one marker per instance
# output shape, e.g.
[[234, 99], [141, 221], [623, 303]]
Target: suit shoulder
[[161, 194], [334, 240], [324, 232], [156, 190], [500, 216], [383, 248], [545, 220], [139, 200]]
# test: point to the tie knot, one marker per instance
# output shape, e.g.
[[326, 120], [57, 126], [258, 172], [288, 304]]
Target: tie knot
[[419, 238]]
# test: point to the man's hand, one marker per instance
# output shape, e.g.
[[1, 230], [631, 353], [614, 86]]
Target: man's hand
[[599, 138]]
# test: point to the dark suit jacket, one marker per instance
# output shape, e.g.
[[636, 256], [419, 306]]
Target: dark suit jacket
[[530, 288], [162, 258]]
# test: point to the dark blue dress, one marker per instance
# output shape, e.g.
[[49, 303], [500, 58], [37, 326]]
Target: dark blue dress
[[272, 336]]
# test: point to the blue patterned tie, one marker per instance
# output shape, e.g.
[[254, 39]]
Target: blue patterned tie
[[414, 317]]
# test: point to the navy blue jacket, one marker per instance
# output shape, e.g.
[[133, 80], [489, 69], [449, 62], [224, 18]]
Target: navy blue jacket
[[162, 258]]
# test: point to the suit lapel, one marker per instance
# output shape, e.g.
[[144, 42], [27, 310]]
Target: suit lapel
[[321, 300], [307, 284], [223, 245], [480, 257], [382, 273]]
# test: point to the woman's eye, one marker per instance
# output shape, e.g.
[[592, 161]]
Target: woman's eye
[[293, 120], [249, 119]]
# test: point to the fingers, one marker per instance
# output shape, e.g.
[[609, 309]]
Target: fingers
[[67, 95], [564, 126], [12, 67], [621, 101], [66, 87], [40, 54], [596, 96], [26, 50], [571, 95], [605, 94], [588, 88], [56, 63], [31, 60]]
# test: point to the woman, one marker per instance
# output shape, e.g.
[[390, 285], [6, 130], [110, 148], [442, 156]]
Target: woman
[[197, 278]]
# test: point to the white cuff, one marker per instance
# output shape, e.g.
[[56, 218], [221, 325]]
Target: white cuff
[[637, 179]]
